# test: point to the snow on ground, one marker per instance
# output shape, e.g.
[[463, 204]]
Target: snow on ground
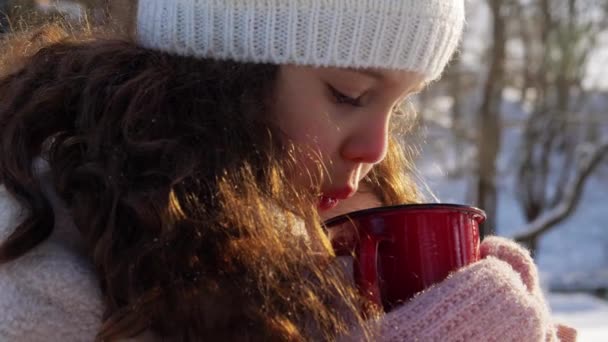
[[587, 314]]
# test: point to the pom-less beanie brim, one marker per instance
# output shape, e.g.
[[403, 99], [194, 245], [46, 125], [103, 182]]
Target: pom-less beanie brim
[[414, 35]]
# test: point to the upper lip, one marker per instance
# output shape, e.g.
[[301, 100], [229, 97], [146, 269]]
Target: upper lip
[[342, 193]]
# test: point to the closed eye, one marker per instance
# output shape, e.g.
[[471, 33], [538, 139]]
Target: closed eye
[[344, 99]]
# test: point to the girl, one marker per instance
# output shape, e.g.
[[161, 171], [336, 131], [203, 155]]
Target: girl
[[171, 186]]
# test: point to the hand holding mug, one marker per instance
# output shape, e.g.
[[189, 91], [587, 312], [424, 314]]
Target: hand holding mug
[[401, 250]]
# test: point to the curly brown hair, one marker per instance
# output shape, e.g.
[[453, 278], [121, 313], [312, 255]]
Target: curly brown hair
[[174, 173]]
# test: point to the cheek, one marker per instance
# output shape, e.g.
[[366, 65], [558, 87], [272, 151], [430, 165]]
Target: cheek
[[316, 141], [310, 129], [313, 141]]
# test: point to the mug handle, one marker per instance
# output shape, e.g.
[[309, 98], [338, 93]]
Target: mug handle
[[367, 268]]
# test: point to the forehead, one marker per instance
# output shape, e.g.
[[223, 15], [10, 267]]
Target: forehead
[[413, 80]]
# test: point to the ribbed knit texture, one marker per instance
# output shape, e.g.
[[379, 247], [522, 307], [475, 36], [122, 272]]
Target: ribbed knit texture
[[415, 35]]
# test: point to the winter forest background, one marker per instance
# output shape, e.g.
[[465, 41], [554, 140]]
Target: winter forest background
[[518, 126]]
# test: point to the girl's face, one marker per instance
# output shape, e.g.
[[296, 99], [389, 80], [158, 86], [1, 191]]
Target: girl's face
[[340, 118]]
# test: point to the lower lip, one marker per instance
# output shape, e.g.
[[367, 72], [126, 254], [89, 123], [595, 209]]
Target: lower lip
[[327, 203]]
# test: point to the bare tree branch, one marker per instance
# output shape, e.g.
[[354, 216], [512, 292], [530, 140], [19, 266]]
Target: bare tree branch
[[592, 156]]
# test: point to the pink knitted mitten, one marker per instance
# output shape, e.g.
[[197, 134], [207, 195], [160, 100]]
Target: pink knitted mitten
[[495, 299], [521, 261], [516, 256]]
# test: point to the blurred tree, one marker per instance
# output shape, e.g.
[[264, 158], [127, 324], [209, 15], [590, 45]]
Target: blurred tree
[[459, 84], [4, 21], [24, 13], [489, 132], [123, 14], [560, 150], [12, 13], [18, 15], [120, 13]]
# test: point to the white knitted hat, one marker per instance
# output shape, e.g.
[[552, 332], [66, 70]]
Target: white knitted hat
[[415, 35]]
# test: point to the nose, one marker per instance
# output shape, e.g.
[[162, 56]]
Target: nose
[[368, 141]]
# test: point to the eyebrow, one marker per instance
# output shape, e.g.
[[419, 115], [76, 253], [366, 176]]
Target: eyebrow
[[379, 76], [372, 73]]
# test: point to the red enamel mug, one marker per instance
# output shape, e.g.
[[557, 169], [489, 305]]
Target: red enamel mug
[[400, 250]]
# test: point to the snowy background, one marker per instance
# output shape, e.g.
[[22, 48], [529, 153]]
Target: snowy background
[[573, 257]]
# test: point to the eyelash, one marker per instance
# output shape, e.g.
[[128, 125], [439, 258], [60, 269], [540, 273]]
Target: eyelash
[[343, 99]]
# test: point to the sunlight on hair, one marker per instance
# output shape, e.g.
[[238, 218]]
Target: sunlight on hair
[[31, 31]]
